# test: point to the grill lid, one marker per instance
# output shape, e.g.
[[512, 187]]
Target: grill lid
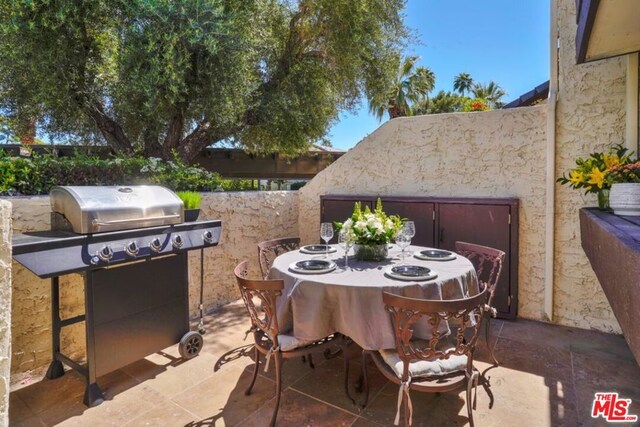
[[96, 209]]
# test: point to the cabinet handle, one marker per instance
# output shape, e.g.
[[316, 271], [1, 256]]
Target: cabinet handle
[[442, 235]]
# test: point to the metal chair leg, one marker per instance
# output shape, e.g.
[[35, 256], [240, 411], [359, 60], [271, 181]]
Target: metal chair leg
[[469, 403], [346, 373], [486, 338], [255, 372], [365, 377], [278, 363], [310, 357]]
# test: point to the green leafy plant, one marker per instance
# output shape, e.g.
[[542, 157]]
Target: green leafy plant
[[38, 173], [191, 199]]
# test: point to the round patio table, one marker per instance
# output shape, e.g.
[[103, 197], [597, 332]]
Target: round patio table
[[349, 300]]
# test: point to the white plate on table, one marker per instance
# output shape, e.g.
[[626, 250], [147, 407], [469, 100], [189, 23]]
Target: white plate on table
[[317, 249], [410, 273], [312, 266], [434, 255]]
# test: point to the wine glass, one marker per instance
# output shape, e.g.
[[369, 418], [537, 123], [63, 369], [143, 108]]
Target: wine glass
[[345, 241], [326, 233], [403, 241], [409, 228]]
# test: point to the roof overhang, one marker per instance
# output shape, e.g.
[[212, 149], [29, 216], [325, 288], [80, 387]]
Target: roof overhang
[[607, 28]]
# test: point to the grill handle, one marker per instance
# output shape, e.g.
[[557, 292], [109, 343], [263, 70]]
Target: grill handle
[[134, 220]]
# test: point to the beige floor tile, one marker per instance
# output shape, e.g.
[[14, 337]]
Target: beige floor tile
[[170, 378], [220, 400], [18, 410], [32, 421], [45, 394], [165, 414], [538, 359], [327, 383], [296, 410]]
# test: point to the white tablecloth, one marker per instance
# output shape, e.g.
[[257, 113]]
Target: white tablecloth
[[349, 301]]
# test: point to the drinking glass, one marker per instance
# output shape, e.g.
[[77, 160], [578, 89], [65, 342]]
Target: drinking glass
[[326, 233], [345, 241], [403, 241], [409, 228]]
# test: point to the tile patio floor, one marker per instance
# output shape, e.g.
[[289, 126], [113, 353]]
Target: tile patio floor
[[548, 377]]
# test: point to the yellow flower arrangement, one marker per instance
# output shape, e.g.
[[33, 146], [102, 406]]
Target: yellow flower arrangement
[[592, 174]]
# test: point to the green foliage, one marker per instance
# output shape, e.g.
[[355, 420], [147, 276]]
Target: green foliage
[[237, 185], [410, 87], [162, 75], [476, 104], [298, 185], [36, 175], [191, 199]]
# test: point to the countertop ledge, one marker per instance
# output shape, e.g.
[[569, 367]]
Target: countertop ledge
[[612, 244]]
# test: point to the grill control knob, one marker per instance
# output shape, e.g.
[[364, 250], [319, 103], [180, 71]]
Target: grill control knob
[[207, 236], [177, 241], [156, 245], [131, 249], [105, 253]]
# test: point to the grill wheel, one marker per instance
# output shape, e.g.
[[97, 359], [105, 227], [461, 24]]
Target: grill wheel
[[190, 345]]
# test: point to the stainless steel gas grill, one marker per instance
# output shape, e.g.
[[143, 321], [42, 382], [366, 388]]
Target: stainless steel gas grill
[[130, 244]]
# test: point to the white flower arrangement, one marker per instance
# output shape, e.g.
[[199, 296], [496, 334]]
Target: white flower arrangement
[[371, 228]]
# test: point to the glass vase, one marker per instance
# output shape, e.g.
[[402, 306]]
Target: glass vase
[[371, 252], [603, 199]]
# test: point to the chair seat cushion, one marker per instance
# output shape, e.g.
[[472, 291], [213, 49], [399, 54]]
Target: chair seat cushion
[[424, 368], [289, 342]]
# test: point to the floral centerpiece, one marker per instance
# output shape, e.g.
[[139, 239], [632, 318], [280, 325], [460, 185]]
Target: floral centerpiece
[[594, 174], [371, 232]]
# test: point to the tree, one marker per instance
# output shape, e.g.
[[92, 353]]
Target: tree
[[491, 92], [410, 87], [164, 76], [462, 83], [443, 102]]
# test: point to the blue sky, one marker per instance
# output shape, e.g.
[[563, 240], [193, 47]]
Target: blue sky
[[502, 40]]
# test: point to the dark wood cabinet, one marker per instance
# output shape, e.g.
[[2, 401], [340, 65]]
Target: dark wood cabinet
[[486, 225], [440, 222]]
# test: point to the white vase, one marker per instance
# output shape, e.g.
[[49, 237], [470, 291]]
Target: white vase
[[624, 199]]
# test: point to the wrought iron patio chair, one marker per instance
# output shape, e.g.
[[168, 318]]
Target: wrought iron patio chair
[[440, 364], [260, 297], [270, 249], [488, 264]]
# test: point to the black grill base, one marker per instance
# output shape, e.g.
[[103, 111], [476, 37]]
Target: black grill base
[[132, 310]]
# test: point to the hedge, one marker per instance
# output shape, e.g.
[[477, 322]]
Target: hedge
[[38, 173]]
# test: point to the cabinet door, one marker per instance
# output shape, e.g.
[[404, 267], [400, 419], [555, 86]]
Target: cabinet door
[[486, 225], [339, 210], [422, 213]]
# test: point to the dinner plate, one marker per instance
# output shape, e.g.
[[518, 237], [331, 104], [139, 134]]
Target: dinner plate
[[434, 255], [312, 266], [317, 249], [411, 273]]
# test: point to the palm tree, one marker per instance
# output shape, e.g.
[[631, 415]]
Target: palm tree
[[491, 92], [411, 86], [462, 83]]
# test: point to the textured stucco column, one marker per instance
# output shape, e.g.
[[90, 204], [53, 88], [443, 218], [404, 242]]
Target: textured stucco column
[[5, 309]]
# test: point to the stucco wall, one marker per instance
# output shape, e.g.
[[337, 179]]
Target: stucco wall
[[247, 218], [5, 309], [492, 154], [590, 117]]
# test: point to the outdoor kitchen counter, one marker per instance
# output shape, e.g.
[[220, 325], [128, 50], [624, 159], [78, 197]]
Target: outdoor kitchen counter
[[612, 244]]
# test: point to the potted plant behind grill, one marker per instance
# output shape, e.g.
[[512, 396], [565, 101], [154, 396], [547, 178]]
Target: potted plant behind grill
[[191, 200]]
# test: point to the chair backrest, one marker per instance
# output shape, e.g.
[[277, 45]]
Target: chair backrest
[[270, 249], [487, 262], [263, 315], [464, 313]]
